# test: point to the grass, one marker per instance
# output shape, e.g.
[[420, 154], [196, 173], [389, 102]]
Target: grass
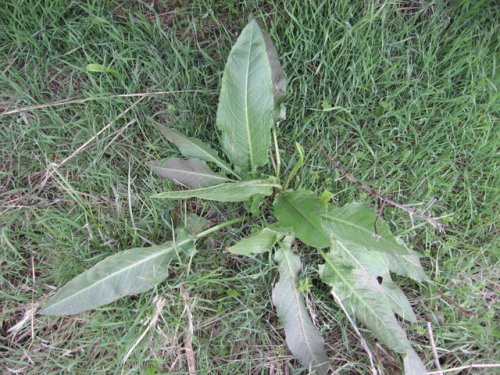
[[403, 93]]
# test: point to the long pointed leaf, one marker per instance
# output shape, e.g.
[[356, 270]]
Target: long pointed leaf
[[129, 272], [302, 211], [362, 296], [365, 299], [302, 337], [246, 103], [192, 173], [375, 262], [229, 192], [194, 148]]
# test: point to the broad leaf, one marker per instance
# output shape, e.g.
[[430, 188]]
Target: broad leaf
[[246, 103], [302, 337], [375, 262], [257, 243], [359, 225], [228, 192], [352, 227], [192, 173], [129, 272], [363, 297], [194, 148], [381, 263], [326, 196], [302, 211]]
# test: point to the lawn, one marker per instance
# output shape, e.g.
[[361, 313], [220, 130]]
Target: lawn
[[404, 94]]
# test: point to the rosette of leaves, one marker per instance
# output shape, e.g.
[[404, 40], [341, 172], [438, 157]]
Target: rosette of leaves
[[359, 253]]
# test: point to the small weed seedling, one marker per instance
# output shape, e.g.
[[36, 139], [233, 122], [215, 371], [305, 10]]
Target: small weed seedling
[[357, 249]]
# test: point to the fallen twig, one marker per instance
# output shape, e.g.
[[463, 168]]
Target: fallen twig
[[434, 222], [160, 303], [462, 310], [478, 365], [434, 349], [188, 335], [85, 100]]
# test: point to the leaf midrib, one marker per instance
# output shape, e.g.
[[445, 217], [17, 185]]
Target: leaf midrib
[[247, 124], [214, 175]]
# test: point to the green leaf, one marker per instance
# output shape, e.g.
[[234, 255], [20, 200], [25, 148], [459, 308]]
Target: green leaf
[[246, 103], [413, 365], [129, 272], [326, 196], [407, 265], [375, 262], [228, 192], [302, 210], [302, 337], [363, 297], [98, 68], [193, 148], [189, 227], [195, 224], [257, 243], [399, 303], [278, 75], [353, 226], [192, 173], [253, 205], [358, 225]]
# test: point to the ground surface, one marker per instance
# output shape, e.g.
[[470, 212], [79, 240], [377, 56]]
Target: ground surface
[[404, 94]]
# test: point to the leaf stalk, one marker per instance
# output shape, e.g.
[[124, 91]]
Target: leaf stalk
[[220, 226]]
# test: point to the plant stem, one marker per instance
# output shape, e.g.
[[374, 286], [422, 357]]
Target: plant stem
[[298, 164], [217, 227]]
